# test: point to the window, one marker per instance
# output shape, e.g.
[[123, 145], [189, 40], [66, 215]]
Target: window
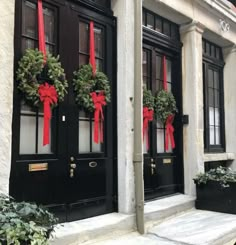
[[160, 24], [31, 120], [213, 98]]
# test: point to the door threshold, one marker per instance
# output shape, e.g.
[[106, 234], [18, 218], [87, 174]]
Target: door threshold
[[99, 228]]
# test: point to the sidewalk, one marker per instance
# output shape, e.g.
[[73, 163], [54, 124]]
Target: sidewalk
[[194, 227]]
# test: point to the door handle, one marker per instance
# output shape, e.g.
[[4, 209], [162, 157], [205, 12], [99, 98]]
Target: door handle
[[71, 173], [73, 165]]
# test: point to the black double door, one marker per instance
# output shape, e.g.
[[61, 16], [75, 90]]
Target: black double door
[[163, 169], [73, 176]]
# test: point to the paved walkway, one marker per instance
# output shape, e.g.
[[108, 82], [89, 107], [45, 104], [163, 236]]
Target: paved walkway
[[194, 227]]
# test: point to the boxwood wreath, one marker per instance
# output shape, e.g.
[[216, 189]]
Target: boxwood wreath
[[85, 83], [165, 105], [148, 99], [34, 71]]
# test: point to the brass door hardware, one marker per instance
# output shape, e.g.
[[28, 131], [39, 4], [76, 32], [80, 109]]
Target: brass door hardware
[[71, 173], [93, 164], [73, 165]]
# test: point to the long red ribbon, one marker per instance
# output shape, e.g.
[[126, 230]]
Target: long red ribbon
[[98, 101], [42, 45], [48, 95], [147, 117], [169, 132], [92, 48]]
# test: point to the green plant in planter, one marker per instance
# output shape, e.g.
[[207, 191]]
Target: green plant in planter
[[24, 223], [223, 175]]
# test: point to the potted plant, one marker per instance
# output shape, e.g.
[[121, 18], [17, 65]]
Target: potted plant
[[216, 190], [23, 223]]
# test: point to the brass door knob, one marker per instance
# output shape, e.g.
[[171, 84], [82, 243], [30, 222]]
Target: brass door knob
[[72, 159], [73, 165]]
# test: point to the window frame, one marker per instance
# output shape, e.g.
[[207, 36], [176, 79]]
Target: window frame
[[214, 63]]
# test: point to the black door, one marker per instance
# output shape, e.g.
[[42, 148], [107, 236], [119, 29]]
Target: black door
[[163, 169], [73, 176]]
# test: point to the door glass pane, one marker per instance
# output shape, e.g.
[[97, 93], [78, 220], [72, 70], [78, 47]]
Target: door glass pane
[[47, 148], [27, 43], [83, 59], [218, 141], [211, 97], [144, 145], [217, 117], [216, 80], [210, 78], [168, 70], [49, 25], [217, 103], [29, 19], [83, 37], [160, 140], [212, 135], [98, 42], [27, 134], [95, 147], [84, 133]]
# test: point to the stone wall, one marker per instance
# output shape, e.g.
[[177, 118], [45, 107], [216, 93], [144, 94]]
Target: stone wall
[[6, 89]]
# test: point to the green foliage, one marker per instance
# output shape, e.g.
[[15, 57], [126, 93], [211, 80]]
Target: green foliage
[[148, 99], [221, 174], [31, 66], [165, 105], [24, 223], [84, 84]]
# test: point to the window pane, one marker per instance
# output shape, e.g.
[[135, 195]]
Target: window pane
[[174, 31], [210, 78], [144, 17], [47, 148], [49, 24], [212, 135], [83, 59], [159, 73], [211, 97], [27, 109], [217, 130], [160, 140], [29, 19], [98, 42], [95, 147], [27, 134], [99, 65], [144, 63], [217, 102], [84, 135], [150, 21], [144, 145], [216, 79], [28, 43], [158, 24], [217, 117], [213, 53], [168, 70], [211, 116], [83, 37], [166, 28]]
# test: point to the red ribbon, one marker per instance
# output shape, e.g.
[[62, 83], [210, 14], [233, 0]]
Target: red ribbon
[[48, 95], [92, 48], [42, 46], [164, 74], [169, 132], [147, 117], [99, 102]]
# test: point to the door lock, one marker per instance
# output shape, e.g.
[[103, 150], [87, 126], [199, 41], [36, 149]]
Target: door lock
[[73, 165], [71, 173]]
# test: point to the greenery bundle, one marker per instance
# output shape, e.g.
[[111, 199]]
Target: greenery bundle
[[148, 99], [165, 105], [85, 83], [33, 71], [223, 175], [24, 223]]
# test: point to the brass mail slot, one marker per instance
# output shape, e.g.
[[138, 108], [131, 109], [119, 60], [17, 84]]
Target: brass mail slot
[[33, 167], [167, 161]]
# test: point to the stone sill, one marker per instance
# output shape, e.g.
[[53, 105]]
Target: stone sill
[[218, 157]]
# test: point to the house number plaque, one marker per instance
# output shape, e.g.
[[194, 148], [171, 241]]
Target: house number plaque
[[33, 167], [167, 160]]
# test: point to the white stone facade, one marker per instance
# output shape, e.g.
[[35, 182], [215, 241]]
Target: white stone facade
[[197, 19]]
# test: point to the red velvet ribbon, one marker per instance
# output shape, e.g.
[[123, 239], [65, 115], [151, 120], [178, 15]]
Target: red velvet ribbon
[[98, 101], [92, 60], [147, 117], [48, 95], [42, 45], [169, 132]]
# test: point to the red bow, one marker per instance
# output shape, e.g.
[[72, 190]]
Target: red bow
[[169, 132], [48, 95], [98, 101], [147, 117]]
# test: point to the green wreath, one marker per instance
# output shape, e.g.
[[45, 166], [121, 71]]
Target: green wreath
[[148, 99], [85, 83], [165, 105], [32, 72]]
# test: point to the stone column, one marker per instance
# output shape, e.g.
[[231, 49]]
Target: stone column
[[192, 79], [124, 11], [6, 89], [230, 100]]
